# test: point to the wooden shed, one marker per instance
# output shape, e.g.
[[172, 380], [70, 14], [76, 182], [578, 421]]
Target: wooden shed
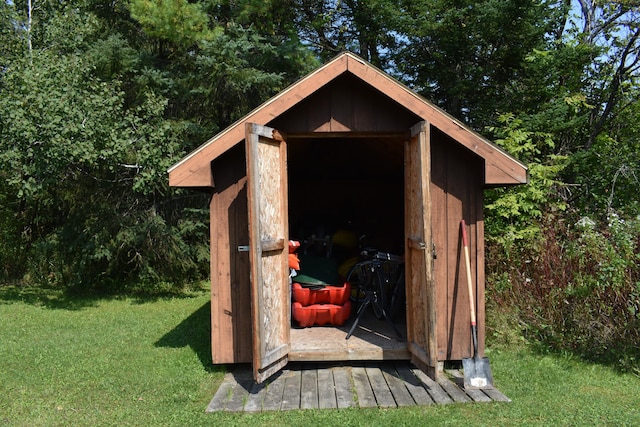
[[347, 141]]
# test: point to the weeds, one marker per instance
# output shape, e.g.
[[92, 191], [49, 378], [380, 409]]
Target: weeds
[[576, 289]]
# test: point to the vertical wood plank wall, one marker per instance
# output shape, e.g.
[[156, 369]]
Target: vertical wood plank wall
[[346, 105], [456, 194], [230, 286]]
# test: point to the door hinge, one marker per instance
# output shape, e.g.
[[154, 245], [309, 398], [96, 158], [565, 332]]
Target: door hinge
[[243, 248]]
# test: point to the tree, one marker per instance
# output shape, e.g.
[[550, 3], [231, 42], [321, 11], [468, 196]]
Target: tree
[[612, 28], [469, 57], [92, 121], [366, 28]]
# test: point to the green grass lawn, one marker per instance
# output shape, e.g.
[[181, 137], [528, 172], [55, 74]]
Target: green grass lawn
[[124, 361]]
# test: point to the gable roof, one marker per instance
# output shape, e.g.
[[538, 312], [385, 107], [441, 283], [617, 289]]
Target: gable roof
[[194, 170]]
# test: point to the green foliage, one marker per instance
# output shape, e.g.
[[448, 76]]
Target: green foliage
[[84, 167], [8, 33], [366, 28], [577, 290], [514, 213], [607, 175], [468, 56], [230, 76], [93, 114], [177, 21]]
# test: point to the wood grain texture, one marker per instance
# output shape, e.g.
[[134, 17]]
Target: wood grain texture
[[194, 169], [268, 222], [384, 385]]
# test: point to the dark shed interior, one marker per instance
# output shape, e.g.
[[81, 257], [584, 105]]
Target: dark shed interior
[[348, 183]]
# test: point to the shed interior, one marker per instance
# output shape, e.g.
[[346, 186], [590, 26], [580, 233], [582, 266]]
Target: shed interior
[[352, 187]]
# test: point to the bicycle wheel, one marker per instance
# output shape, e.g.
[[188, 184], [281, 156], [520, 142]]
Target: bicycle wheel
[[398, 298], [357, 278], [379, 292]]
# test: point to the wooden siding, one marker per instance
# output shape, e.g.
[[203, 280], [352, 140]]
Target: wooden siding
[[230, 285], [347, 104], [500, 168], [456, 194]]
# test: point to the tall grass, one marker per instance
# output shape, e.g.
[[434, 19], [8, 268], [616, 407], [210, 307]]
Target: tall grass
[[575, 289]]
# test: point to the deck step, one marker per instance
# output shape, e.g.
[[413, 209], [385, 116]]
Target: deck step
[[331, 386]]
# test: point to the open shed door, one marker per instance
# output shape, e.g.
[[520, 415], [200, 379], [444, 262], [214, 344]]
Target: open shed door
[[421, 292], [266, 153]]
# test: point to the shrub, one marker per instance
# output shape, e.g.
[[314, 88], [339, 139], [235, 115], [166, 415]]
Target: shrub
[[576, 288]]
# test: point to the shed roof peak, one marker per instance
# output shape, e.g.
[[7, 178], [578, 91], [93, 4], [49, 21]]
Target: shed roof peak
[[194, 170]]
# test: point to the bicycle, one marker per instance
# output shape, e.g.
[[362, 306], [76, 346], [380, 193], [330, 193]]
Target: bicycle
[[379, 282]]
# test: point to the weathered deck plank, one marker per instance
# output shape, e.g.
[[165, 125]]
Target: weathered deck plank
[[219, 400], [309, 389], [366, 398], [380, 387], [273, 397], [435, 390], [478, 396], [343, 381], [453, 390], [414, 386], [374, 384], [256, 397], [400, 392], [291, 396], [326, 389], [240, 392], [496, 395]]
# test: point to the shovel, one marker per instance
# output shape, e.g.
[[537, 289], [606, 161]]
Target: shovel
[[477, 372]]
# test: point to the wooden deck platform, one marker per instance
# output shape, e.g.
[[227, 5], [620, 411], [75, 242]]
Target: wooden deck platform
[[334, 386], [373, 339]]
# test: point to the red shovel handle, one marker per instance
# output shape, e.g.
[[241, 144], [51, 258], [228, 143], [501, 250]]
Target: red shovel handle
[[465, 242]]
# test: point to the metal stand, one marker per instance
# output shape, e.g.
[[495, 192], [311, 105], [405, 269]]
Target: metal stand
[[371, 298]]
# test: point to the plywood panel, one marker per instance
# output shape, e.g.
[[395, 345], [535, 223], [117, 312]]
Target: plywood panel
[[421, 304], [268, 230]]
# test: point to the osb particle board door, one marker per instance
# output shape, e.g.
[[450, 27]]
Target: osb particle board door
[[420, 286], [266, 153]]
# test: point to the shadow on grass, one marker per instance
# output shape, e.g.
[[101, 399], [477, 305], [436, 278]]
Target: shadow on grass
[[46, 297], [78, 299], [195, 332]]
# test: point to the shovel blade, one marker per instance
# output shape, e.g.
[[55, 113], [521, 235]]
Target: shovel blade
[[477, 373]]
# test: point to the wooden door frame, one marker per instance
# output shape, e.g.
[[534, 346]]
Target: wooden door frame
[[421, 292]]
